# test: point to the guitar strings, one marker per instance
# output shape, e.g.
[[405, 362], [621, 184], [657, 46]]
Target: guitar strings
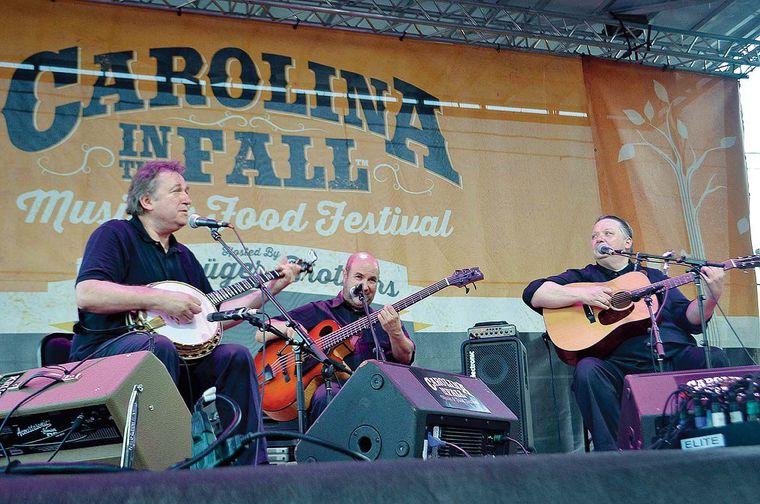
[[336, 337]]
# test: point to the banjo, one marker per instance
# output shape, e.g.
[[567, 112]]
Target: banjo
[[198, 338]]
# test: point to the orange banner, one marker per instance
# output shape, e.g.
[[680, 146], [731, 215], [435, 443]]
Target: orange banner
[[669, 158], [434, 157]]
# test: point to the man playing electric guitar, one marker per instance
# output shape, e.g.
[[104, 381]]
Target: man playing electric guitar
[[396, 346], [598, 381]]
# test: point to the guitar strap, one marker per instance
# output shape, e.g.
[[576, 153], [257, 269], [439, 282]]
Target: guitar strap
[[80, 328]]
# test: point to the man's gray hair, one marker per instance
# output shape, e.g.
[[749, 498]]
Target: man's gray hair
[[624, 226], [144, 182]]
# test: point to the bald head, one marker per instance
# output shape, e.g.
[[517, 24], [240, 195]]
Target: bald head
[[361, 268], [361, 257]]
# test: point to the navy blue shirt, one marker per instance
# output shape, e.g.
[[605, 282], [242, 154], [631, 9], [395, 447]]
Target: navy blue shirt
[[311, 314], [122, 252], [674, 326]]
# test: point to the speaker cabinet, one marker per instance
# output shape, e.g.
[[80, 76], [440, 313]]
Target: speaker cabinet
[[644, 398], [502, 364], [391, 411], [101, 390]]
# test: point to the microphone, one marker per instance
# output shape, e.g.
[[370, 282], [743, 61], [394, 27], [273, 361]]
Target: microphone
[[603, 249], [196, 221], [357, 291], [236, 314]]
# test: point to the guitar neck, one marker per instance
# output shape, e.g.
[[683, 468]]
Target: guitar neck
[[357, 326], [219, 296], [670, 283]]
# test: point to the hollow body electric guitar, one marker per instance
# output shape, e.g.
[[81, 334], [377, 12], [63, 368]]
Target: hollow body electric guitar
[[276, 364], [198, 338], [582, 330]]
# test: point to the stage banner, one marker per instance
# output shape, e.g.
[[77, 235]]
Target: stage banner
[[433, 157], [669, 157]]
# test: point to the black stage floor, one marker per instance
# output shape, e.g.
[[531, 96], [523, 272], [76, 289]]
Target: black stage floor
[[715, 475]]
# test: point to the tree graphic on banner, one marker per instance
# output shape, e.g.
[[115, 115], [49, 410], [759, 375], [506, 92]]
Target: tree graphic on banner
[[670, 140]]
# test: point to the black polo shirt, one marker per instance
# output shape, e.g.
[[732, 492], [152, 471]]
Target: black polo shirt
[[122, 252]]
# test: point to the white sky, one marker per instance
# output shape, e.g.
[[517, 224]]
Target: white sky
[[749, 90], [749, 93]]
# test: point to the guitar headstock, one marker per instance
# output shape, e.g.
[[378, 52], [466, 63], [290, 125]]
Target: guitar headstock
[[307, 265], [744, 262], [463, 277]]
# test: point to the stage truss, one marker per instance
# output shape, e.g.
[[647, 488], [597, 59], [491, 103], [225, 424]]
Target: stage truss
[[717, 38]]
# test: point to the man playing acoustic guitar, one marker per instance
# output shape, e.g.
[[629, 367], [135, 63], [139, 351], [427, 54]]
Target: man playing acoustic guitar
[[362, 272], [598, 380], [123, 256]]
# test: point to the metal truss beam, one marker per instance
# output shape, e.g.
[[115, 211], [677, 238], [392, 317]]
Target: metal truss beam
[[491, 24]]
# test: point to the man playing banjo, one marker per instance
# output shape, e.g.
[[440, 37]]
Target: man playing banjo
[[123, 257]]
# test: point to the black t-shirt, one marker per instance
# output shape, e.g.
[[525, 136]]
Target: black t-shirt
[[122, 252]]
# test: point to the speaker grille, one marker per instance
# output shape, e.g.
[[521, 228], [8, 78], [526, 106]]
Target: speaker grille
[[501, 363], [474, 441]]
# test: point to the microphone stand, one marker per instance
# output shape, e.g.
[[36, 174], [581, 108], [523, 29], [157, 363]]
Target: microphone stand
[[657, 348], [378, 354], [695, 267], [302, 343], [697, 263]]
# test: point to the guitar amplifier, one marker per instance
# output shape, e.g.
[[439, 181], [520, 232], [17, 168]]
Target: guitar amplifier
[[491, 330], [502, 364], [100, 389]]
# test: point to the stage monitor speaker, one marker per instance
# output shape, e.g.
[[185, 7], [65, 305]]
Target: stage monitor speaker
[[644, 398], [391, 411], [502, 364], [100, 389]]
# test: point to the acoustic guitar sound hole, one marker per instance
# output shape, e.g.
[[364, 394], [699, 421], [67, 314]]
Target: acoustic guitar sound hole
[[621, 300], [325, 331], [608, 317]]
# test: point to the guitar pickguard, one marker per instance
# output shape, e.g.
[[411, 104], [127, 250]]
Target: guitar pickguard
[[609, 317]]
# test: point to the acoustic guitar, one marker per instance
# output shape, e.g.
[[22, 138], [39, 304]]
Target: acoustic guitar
[[276, 363], [582, 330]]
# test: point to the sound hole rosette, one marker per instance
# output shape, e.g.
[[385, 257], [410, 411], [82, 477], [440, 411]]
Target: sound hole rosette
[[621, 300]]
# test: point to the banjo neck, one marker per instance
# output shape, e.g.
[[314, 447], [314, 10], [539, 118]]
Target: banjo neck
[[219, 296]]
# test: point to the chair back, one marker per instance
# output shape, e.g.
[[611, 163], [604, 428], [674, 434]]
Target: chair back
[[54, 348]]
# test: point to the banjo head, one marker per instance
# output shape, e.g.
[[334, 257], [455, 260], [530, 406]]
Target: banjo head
[[197, 333]]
